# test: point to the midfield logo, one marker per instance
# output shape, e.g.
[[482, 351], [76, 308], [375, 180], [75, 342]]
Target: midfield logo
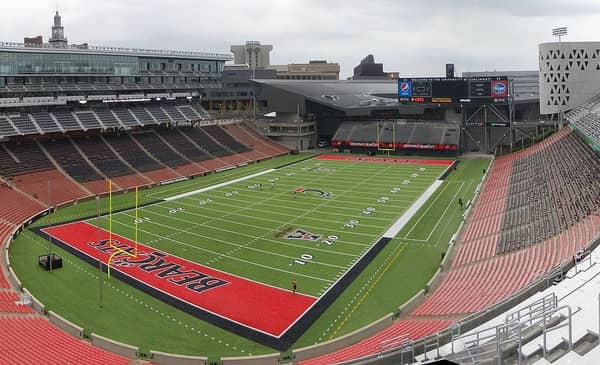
[[300, 234], [158, 264]]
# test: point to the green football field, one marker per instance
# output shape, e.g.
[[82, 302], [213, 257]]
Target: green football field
[[262, 229], [250, 228]]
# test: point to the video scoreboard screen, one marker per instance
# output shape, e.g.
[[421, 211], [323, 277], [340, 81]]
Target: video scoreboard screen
[[453, 91]]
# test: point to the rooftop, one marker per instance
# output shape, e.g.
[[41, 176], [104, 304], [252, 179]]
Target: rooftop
[[101, 50]]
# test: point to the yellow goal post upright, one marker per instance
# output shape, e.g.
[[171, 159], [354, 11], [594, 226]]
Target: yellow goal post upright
[[120, 251], [381, 146]]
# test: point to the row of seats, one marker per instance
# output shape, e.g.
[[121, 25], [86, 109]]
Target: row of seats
[[33, 340], [470, 288], [394, 335], [411, 132], [126, 118], [17, 207], [8, 303], [549, 193], [586, 118], [130, 159], [534, 195]]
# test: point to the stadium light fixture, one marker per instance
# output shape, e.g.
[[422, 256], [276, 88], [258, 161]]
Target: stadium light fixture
[[559, 32]]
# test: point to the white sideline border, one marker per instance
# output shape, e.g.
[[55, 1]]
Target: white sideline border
[[216, 186], [412, 210]]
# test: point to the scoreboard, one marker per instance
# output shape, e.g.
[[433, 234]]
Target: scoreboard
[[459, 90]]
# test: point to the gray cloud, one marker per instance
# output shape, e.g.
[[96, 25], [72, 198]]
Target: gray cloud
[[413, 37]]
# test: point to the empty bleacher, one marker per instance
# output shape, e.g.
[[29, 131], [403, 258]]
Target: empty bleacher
[[126, 118], [50, 186], [269, 147], [548, 194], [101, 156], [8, 303], [139, 159], [201, 111], [89, 120], [412, 329], [108, 118], [142, 115], [24, 124], [33, 340], [158, 114], [22, 158], [402, 131], [17, 207], [225, 139], [258, 148], [586, 118], [6, 129], [67, 121], [109, 163], [70, 160], [155, 146], [175, 137], [201, 139], [168, 154], [132, 153], [174, 113], [46, 122]]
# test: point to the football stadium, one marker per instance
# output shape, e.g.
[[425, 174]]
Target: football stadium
[[169, 207]]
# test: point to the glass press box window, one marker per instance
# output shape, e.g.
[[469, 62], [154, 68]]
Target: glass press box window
[[52, 63]]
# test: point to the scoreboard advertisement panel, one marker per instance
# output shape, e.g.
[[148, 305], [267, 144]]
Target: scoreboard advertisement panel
[[459, 90]]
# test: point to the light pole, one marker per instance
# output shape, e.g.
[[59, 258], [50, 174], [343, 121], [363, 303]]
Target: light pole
[[253, 66], [254, 91], [560, 32]]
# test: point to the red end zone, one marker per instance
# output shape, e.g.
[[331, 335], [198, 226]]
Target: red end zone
[[391, 160], [261, 307]]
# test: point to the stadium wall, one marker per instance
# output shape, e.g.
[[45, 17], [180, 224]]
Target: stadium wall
[[346, 340]]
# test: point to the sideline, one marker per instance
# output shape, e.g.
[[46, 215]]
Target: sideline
[[412, 211]]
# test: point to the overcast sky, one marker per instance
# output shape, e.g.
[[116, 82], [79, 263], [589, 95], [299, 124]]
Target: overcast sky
[[415, 37]]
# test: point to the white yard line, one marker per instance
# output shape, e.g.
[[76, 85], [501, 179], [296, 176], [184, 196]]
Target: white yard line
[[198, 191], [410, 212]]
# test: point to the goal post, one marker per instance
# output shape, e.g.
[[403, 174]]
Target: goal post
[[382, 146]]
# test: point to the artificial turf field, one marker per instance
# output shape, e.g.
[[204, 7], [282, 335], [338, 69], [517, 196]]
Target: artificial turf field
[[240, 228]]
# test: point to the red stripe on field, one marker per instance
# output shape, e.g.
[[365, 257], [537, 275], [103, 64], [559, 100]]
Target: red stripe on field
[[259, 306], [390, 160]]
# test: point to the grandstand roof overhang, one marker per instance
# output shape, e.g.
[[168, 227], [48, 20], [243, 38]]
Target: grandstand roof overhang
[[354, 97], [115, 51]]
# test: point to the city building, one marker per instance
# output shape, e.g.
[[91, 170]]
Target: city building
[[369, 69], [58, 39], [237, 91], [313, 70], [253, 53], [569, 75]]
